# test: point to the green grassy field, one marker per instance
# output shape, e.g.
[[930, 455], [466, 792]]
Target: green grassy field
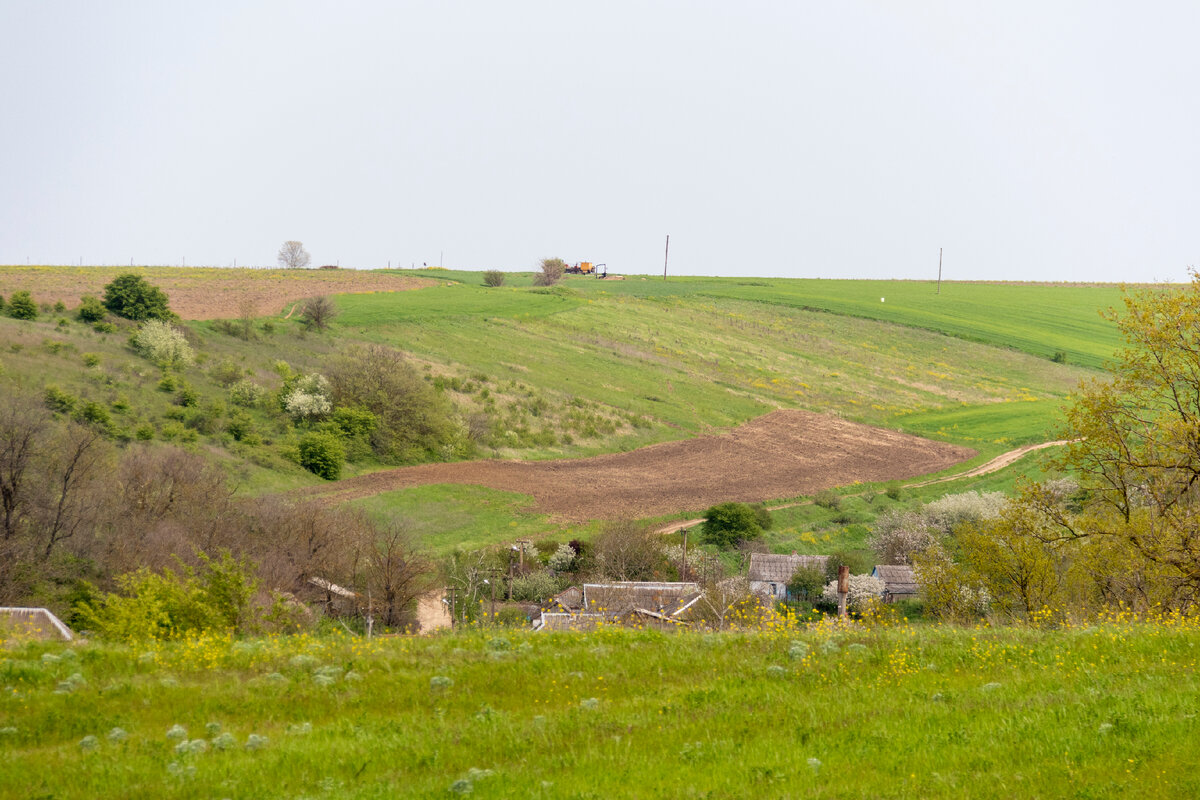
[[905, 712], [591, 367]]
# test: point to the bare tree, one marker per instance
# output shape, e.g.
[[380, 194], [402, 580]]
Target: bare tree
[[293, 255], [23, 424], [394, 573], [627, 551]]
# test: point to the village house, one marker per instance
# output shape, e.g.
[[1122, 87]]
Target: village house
[[643, 603], [770, 573], [899, 582]]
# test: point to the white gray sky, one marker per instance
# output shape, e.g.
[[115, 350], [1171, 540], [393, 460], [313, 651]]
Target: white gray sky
[[1032, 140]]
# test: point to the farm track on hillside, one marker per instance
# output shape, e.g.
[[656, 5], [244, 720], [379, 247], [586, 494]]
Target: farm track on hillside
[[782, 454]]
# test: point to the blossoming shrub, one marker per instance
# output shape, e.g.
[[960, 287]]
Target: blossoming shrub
[[164, 344]]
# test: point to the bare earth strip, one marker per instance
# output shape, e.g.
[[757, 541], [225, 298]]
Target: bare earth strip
[[782, 454], [206, 292]]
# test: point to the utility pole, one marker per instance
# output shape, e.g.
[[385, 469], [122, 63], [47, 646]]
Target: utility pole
[[683, 566], [666, 255], [939, 289], [843, 590]]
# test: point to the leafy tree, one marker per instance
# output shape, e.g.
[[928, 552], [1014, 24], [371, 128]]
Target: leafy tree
[[21, 306], [1135, 447], [292, 255], [730, 524], [807, 582], [164, 344], [552, 272], [133, 297], [414, 421]]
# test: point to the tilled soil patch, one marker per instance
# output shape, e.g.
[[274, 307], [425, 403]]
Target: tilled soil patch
[[781, 454], [207, 292]]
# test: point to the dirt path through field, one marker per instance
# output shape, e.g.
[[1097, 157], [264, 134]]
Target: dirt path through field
[[782, 454], [995, 465]]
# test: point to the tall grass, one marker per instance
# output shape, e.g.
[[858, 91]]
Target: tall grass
[[1107, 710]]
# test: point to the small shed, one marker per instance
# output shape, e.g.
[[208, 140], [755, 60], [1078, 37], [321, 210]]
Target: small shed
[[770, 573], [900, 583], [37, 623]]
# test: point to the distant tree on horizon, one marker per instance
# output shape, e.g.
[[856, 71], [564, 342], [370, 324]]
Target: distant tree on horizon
[[293, 255]]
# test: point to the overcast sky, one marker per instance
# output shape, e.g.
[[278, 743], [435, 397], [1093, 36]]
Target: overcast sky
[[1032, 140]]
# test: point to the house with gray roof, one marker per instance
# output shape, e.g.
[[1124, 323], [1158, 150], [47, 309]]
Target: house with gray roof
[[653, 604], [770, 573], [900, 583]]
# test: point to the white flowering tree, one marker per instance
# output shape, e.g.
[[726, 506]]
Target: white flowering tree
[[865, 591], [164, 344]]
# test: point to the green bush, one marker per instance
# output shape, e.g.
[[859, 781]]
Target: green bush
[[246, 393], [762, 515], [93, 412], [58, 400], [132, 297], [151, 606], [322, 454], [91, 359], [826, 498], [91, 309], [730, 524], [21, 306], [493, 277]]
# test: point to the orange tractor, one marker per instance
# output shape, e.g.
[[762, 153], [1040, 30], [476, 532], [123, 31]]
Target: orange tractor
[[587, 268]]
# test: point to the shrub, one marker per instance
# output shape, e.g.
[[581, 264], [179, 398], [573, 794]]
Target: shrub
[[93, 412], [91, 359], [226, 372], [187, 397], [730, 524], [246, 393], [90, 309], [21, 306], [762, 515], [59, 306], [318, 312], [493, 277], [307, 398], [322, 454], [894, 492], [152, 606], [807, 583], [354, 421], [104, 327], [164, 344], [563, 558], [535, 587], [58, 400], [132, 297], [552, 272], [239, 426], [828, 499]]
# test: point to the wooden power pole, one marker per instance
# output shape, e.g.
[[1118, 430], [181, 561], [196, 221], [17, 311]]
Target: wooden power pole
[[939, 289], [666, 255]]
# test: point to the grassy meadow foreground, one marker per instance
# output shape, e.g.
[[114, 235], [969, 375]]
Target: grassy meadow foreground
[[1107, 710]]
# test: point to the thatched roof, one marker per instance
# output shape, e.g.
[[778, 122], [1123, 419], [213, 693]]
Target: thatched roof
[[775, 568], [899, 579]]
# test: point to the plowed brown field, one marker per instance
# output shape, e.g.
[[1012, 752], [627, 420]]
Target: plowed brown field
[[782, 454], [206, 292]]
